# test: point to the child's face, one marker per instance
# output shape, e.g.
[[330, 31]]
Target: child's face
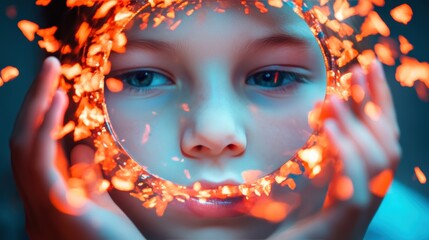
[[222, 95]]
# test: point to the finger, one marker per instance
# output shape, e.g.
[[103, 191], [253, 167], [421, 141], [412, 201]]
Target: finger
[[37, 102], [83, 166], [369, 148], [373, 117], [380, 93], [45, 160], [350, 185]]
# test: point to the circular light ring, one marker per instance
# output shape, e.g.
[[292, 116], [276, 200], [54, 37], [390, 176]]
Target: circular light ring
[[94, 43]]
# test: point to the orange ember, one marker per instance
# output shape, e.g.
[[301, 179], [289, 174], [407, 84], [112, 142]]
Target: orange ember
[[420, 175], [8, 73], [402, 14], [28, 28], [380, 183], [405, 46], [43, 2], [343, 188]]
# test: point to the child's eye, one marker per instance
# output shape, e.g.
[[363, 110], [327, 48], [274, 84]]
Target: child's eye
[[274, 79], [145, 79]]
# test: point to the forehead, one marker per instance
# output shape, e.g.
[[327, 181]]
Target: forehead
[[209, 22]]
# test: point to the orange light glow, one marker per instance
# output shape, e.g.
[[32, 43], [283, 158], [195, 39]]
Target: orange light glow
[[104, 9], [250, 176], [146, 134], [411, 70], [114, 85], [28, 29], [9, 73], [270, 210], [372, 110], [381, 182], [373, 24], [343, 188], [11, 12], [312, 156], [402, 14], [122, 184], [358, 94], [66, 129], [420, 175], [275, 3], [185, 107], [385, 54], [43, 2], [405, 46]]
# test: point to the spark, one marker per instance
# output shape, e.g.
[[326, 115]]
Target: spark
[[420, 175]]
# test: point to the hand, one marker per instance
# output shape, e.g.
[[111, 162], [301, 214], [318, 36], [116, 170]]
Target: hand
[[364, 137], [59, 204]]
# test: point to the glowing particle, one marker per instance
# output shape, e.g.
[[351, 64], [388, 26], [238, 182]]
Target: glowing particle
[[411, 70], [373, 24], [226, 191], [119, 42], [270, 210], [422, 91], [343, 188], [366, 58], [114, 85], [316, 170], [385, 54], [405, 45], [122, 184], [51, 45], [358, 94], [66, 129], [8, 73], [28, 28], [197, 186], [420, 175], [312, 156], [250, 176], [11, 12], [275, 3], [124, 14], [146, 134], [82, 33], [103, 185], [402, 14], [290, 183], [187, 174], [381, 182], [175, 25], [185, 107], [104, 9], [372, 110], [43, 2]]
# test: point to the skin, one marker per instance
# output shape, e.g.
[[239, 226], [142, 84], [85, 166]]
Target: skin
[[221, 135], [365, 147]]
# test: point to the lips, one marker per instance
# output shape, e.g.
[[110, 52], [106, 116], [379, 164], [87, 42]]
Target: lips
[[217, 207]]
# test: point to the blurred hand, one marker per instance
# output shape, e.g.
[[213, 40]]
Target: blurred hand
[[59, 204], [363, 135]]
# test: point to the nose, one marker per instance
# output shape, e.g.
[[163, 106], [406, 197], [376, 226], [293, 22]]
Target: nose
[[214, 131]]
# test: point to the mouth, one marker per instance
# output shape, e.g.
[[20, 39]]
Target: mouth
[[214, 207]]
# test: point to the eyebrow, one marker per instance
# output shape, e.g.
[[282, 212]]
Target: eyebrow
[[276, 40], [279, 39]]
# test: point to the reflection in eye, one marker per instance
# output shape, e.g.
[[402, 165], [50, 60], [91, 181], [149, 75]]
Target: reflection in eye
[[275, 78], [141, 79]]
